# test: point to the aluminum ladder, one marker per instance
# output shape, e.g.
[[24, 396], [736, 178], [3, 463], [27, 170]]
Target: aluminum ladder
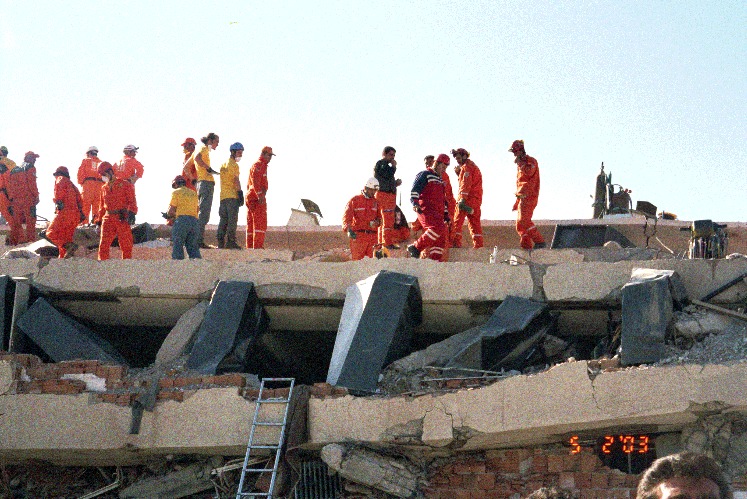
[[277, 447]]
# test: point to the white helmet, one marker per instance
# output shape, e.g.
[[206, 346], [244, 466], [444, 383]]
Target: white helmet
[[372, 183]]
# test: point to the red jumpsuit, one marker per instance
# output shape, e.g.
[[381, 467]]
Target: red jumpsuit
[[527, 195], [62, 229], [428, 195], [256, 217], [117, 197], [5, 166], [90, 182], [470, 190], [400, 229], [189, 171], [128, 169], [24, 196], [360, 212]]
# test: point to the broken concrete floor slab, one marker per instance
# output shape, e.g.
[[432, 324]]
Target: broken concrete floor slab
[[537, 409]]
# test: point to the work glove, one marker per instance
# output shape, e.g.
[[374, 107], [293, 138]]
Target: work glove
[[33, 211], [446, 218], [240, 194], [166, 215], [122, 215], [417, 209], [210, 170], [352, 234], [131, 217], [462, 205], [374, 223], [10, 211], [59, 205]]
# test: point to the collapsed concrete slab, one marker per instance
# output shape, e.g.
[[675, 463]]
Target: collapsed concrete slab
[[181, 335], [376, 328], [534, 410], [7, 293], [62, 338], [233, 321]]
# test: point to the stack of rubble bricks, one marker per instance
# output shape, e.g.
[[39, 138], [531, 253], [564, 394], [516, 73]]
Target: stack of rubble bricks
[[517, 472], [32, 376]]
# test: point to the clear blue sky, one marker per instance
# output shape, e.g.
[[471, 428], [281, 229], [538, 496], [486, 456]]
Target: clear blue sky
[[656, 90]]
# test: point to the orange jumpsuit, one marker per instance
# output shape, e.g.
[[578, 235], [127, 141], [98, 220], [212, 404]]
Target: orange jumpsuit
[[90, 182], [400, 229], [117, 198], [5, 166], [24, 196], [128, 169], [189, 171], [256, 217], [62, 228], [360, 212], [470, 190], [527, 195]]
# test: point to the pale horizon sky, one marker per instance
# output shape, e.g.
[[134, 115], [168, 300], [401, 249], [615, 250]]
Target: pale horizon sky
[[655, 90]]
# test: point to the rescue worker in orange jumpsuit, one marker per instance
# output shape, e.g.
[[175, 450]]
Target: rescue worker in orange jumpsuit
[[68, 210], [429, 202], [400, 229], [527, 195], [24, 196], [89, 181], [361, 221], [384, 171], [129, 169], [450, 205], [469, 199], [117, 206], [189, 171], [6, 164], [256, 202]]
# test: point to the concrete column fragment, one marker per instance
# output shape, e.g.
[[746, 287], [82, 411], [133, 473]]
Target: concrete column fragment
[[393, 476], [233, 321], [375, 328], [7, 287], [62, 338], [180, 336]]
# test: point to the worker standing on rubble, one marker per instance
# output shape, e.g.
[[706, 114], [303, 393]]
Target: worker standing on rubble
[[117, 206], [231, 198], [24, 196], [527, 194], [189, 171], [183, 210], [205, 182], [129, 169], [89, 181], [469, 200], [68, 209], [386, 196], [256, 201], [6, 164], [361, 221], [429, 202]]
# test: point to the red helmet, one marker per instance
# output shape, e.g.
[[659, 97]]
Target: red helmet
[[104, 167], [518, 145], [61, 170], [178, 179], [443, 158], [189, 140]]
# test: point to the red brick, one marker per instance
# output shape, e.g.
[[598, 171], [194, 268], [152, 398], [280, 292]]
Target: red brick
[[617, 479], [632, 481], [321, 390], [282, 392], [63, 386], [166, 383], [441, 479], [339, 391], [539, 464], [620, 493], [177, 395], [116, 372], [107, 397], [44, 371], [471, 466], [572, 462], [453, 383], [600, 480], [555, 463], [582, 480], [251, 393], [183, 381], [461, 494], [589, 462], [232, 379], [455, 480], [567, 480], [486, 481], [125, 399]]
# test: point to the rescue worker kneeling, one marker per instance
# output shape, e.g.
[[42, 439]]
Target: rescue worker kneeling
[[428, 200], [117, 206], [183, 210], [68, 209], [361, 221]]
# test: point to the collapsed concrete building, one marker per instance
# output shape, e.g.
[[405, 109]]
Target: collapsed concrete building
[[412, 379]]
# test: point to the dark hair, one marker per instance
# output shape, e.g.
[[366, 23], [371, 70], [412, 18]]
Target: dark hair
[[430, 156], [551, 493], [210, 136], [684, 464], [387, 150]]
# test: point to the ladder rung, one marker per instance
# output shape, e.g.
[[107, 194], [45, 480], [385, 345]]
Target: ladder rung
[[258, 470], [264, 447], [254, 494], [267, 423], [273, 401]]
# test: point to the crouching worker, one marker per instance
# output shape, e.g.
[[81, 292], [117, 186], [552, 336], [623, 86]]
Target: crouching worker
[[428, 200], [361, 221], [68, 209], [117, 206], [183, 210]]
